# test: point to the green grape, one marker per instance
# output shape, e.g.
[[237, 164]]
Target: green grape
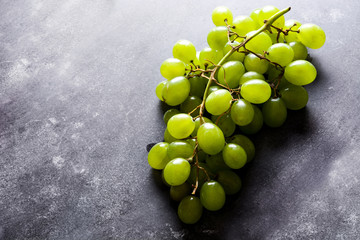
[[292, 36], [256, 91], [163, 179], [259, 43], [234, 155], [177, 171], [246, 144], [236, 56], [274, 112], [217, 38], [267, 12], [230, 181], [159, 89], [273, 73], [169, 113], [181, 125], [176, 91], [219, 15], [242, 112], [197, 125], [190, 103], [243, 25], [192, 142], [197, 86], [280, 53], [177, 193], [210, 56], [256, 124], [202, 177], [201, 155], [253, 63], [190, 210], [180, 149], [212, 196], [250, 75], [311, 35], [213, 89], [210, 138], [275, 38], [295, 97], [255, 17], [300, 72], [172, 67], [216, 163], [168, 138], [225, 123], [230, 73], [184, 50], [157, 156], [218, 102], [300, 51]]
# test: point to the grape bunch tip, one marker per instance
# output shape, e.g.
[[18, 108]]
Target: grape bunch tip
[[253, 71]]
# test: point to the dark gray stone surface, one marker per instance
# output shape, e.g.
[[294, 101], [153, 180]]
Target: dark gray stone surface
[[77, 110]]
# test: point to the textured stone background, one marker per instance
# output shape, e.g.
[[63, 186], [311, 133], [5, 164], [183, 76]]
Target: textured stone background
[[77, 110]]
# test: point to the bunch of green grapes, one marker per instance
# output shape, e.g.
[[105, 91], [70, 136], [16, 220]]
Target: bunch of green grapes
[[252, 72]]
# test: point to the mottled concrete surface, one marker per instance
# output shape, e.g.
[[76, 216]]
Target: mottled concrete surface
[[77, 110]]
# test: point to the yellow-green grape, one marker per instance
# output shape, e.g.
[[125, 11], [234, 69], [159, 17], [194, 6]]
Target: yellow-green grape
[[242, 112], [177, 193], [250, 75], [254, 15], [256, 91], [180, 149], [230, 73], [280, 53], [225, 123], [197, 125], [219, 15], [216, 163], [255, 125], [311, 35], [234, 156], [176, 91], [168, 138], [201, 177], [159, 89], [243, 25], [197, 86], [230, 181], [246, 144], [190, 104], [217, 38], [210, 138], [157, 156], [274, 37], [177, 171], [213, 89], [292, 36], [210, 56], [300, 51], [181, 125], [253, 63], [172, 67], [259, 43], [218, 102], [190, 210], [267, 12], [169, 113], [274, 112], [212, 196], [184, 50], [295, 97], [300, 72], [236, 56]]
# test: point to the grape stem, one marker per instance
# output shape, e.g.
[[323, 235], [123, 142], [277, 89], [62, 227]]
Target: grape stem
[[267, 26]]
